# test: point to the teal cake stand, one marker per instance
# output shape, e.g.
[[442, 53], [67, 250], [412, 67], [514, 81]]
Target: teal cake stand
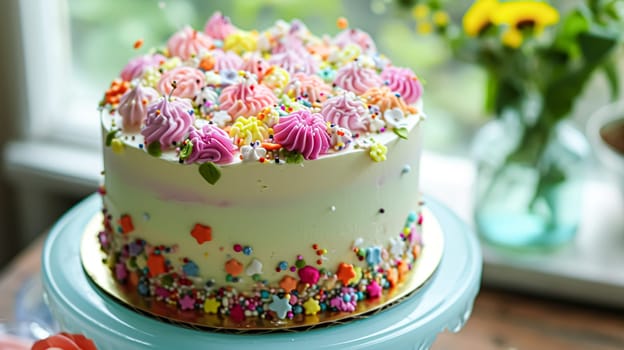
[[443, 303]]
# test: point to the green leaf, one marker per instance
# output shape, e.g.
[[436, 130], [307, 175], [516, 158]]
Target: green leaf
[[154, 149], [186, 150], [401, 132], [576, 22], [491, 90], [596, 45], [110, 136], [293, 157], [612, 76], [210, 172]]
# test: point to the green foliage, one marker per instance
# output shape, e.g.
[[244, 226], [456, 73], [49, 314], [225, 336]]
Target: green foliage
[[554, 61]]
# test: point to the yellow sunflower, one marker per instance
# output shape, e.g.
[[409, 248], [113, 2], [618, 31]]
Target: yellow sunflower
[[522, 16], [525, 15], [479, 16]]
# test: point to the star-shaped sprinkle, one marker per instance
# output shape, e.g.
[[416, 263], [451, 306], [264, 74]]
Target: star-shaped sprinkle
[[221, 118], [187, 302], [288, 283], [202, 233], [373, 290], [233, 267], [311, 306], [254, 267], [281, 306], [397, 247], [211, 306], [345, 273]]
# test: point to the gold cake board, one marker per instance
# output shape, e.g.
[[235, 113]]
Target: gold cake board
[[101, 275]]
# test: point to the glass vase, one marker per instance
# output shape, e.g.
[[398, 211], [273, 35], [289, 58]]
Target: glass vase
[[529, 184]]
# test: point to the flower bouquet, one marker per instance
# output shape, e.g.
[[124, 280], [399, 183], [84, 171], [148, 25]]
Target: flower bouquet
[[538, 59]]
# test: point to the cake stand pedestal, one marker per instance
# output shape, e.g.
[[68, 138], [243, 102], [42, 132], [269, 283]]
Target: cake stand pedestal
[[444, 302]]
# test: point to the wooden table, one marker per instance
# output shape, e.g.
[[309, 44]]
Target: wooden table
[[500, 319]]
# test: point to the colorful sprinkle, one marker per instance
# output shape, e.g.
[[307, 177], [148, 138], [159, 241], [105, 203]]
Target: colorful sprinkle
[[126, 224], [288, 283], [234, 267], [311, 306], [202, 233], [211, 306], [345, 273], [281, 306]]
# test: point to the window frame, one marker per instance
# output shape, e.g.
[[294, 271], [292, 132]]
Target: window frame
[[55, 112]]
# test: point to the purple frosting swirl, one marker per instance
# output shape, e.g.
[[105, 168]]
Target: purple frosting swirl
[[403, 81], [227, 60], [354, 77], [211, 144], [133, 107], [136, 66], [346, 111], [304, 132], [167, 122], [355, 36], [294, 61]]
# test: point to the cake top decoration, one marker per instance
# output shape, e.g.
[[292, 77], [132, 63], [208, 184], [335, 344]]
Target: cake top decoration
[[227, 96]]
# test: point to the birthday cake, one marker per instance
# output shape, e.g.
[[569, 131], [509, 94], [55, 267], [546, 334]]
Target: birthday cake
[[262, 176]]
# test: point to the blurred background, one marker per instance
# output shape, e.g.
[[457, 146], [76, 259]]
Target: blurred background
[[58, 56]]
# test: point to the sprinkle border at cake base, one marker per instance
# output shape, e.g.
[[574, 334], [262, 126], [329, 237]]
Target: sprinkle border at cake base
[[304, 308]]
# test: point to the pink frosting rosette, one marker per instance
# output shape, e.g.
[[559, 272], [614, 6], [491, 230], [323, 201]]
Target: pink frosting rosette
[[345, 110], [167, 122], [134, 68], [211, 144], [256, 65], [308, 87], [246, 98], [303, 132], [355, 36], [219, 26], [133, 107], [188, 43], [295, 61], [404, 82], [189, 80], [289, 42], [353, 77], [227, 60]]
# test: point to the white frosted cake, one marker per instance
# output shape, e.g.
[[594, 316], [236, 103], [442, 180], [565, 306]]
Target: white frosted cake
[[262, 174]]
